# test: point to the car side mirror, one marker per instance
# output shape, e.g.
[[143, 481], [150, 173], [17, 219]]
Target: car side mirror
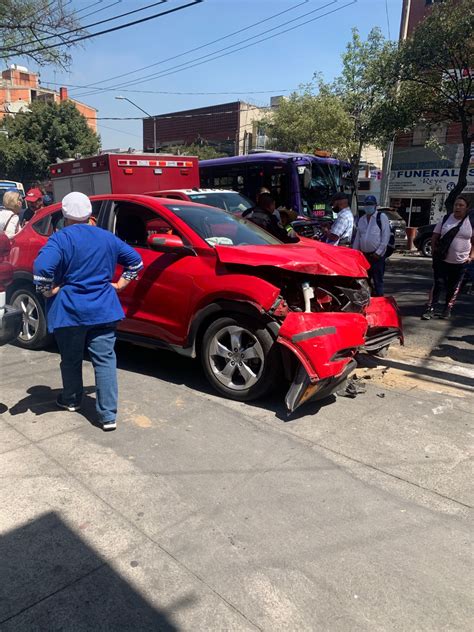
[[161, 242]]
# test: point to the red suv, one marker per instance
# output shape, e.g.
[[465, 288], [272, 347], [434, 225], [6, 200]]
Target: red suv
[[219, 287]]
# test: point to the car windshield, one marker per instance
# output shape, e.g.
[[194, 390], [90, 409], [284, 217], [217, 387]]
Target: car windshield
[[228, 201], [392, 215], [219, 228]]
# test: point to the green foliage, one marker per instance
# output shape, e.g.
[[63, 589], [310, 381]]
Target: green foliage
[[201, 150], [25, 23], [435, 70], [309, 120], [35, 139]]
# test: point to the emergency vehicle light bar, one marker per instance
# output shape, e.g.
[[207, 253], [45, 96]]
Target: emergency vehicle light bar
[[154, 163]]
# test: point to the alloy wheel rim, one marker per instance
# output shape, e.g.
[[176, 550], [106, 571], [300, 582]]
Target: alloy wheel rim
[[236, 358], [29, 310]]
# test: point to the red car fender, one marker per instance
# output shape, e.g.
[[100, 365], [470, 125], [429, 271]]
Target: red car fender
[[324, 342], [240, 287], [383, 313]]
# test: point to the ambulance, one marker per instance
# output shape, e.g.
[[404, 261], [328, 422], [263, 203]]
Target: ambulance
[[124, 173]]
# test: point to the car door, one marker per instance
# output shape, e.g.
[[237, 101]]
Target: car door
[[158, 304]]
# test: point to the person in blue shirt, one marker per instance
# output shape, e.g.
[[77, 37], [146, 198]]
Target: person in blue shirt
[[74, 271], [340, 233]]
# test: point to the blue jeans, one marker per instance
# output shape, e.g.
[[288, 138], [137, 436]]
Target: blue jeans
[[376, 272], [99, 340]]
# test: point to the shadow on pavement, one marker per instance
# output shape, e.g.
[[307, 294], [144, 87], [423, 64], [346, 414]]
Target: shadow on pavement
[[41, 399], [53, 580]]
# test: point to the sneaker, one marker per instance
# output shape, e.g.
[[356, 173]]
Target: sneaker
[[72, 408], [428, 315], [109, 425], [446, 313]]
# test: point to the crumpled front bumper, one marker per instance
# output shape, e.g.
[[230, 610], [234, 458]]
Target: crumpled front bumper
[[324, 343], [384, 324]]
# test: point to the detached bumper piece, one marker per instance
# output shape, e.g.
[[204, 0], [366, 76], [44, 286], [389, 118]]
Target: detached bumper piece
[[324, 343], [11, 322], [303, 390]]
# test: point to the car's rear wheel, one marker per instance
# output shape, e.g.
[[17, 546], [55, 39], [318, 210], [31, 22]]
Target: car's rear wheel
[[426, 247], [240, 358], [34, 333]]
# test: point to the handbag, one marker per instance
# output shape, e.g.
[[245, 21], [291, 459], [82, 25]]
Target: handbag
[[441, 251]]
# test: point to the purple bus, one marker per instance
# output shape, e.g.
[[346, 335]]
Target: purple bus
[[300, 181]]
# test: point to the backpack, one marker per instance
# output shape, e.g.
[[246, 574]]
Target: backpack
[[441, 251], [391, 242]]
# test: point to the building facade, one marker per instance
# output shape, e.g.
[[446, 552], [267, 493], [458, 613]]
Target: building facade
[[19, 87], [421, 178], [230, 128]]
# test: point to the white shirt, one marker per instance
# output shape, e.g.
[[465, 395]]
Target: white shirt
[[11, 224], [461, 245], [343, 226], [369, 238]]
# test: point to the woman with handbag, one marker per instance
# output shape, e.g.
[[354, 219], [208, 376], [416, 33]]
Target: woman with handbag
[[453, 249]]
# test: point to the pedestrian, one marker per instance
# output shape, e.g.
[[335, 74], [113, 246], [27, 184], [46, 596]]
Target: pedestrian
[[340, 233], [453, 250], [34, 201], [9, 214], [372, 238], [74, 271], [264, 216]]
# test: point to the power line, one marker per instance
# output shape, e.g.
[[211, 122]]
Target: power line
[[116, 28], [242, 91], [88, 26], [192, 50], [121, 131], [88, 6], [161, 117], [107, 6], [176, 69]]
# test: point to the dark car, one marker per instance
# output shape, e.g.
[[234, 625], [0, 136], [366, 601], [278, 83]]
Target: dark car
[[422, 241], [397, 226]]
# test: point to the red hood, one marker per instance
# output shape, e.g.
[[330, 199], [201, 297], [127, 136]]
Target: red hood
[[316, 258]]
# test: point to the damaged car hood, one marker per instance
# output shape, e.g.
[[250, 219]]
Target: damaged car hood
[[315, 258]]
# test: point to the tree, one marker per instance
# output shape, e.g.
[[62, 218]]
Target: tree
[[34, 25], [37, 138], [367, 100], [435, 67], [202, 150], [307, 121]]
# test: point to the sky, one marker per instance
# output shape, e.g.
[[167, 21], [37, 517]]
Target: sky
[[273, 67]]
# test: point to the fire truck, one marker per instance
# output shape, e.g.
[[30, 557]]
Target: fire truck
[[124, 173]]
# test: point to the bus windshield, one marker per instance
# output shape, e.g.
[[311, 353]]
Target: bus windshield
[[303, 182]]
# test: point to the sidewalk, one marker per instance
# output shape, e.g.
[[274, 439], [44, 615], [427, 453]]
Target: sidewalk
[[203, 514]]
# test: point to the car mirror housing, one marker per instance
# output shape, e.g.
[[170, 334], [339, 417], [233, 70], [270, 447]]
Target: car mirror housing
[[162, 242]]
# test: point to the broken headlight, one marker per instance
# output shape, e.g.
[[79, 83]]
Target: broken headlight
[[358, 296]]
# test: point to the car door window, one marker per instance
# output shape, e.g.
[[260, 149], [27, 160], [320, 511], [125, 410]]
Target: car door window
[[53, 222], [133, 223]]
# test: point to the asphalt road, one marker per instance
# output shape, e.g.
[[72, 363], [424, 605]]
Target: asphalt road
[[200, 513]]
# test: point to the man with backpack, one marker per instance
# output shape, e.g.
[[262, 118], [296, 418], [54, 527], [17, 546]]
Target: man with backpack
[[373, 238]]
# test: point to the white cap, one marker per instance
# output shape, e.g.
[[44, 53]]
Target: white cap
[[76, 206]]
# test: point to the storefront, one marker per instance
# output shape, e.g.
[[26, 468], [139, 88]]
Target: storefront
[[419, 194]]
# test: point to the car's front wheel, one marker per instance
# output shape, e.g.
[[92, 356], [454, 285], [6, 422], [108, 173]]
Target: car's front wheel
[[426, 247], [34, 333], [240, 358]]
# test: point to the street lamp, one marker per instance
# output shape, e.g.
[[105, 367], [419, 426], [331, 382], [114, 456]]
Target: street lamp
[[120, 98]]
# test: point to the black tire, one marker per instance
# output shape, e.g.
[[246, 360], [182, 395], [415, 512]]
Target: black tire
[[33, 335], [256, 341], [426, 247]]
